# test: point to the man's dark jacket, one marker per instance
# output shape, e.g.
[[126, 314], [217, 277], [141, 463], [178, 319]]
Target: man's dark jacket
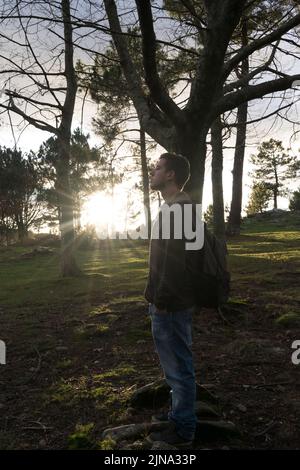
[[172, 268]]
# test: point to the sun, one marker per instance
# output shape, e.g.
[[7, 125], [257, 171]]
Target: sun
[[102, 211]]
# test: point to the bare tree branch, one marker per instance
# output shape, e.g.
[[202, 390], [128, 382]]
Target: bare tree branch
[[259, 44], [35, 122], [149, 115], [245, 79], [233, 100], [210, 65], [154, 83]]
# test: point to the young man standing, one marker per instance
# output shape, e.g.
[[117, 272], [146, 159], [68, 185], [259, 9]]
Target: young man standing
[[169, 292]]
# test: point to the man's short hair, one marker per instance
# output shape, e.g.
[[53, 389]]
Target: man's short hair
[[180, 165]]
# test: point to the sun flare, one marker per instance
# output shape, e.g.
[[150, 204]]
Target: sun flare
[[98, 211], [106, 213]]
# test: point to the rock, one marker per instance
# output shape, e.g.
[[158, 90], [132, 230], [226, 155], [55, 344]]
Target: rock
[[205, 393], [131, 431], [153, 395], [203, 409], [214, 430], [162, 446], [157, 394], [130, 411]]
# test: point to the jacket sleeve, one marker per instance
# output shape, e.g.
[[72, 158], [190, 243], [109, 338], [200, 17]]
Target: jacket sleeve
[[172, 272]]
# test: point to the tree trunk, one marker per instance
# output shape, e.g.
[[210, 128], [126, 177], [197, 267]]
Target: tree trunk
[[234, 220], [145, 179], [21, 227], [78, 215], [66, 220], [193, 147], [68, 262], [275, 192], [276, 186], [216, 177]]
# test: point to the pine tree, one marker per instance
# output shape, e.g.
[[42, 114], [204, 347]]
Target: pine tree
[[274, 167], [259, 198]]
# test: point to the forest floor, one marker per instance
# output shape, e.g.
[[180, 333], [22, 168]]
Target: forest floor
[[77, 348]]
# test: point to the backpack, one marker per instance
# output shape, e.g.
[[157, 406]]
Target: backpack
[[212, 282]]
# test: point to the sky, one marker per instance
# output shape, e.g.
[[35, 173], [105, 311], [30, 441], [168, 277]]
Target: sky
[[31, 138]]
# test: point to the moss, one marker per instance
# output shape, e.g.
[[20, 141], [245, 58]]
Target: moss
[[100, 310], [81, 438], [118, 372], [100, 392], [91, 330], [101, 329], [288, 319], [107, 444], [236, 301], [68, 392]]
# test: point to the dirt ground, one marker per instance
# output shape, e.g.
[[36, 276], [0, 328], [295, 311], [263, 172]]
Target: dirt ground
[[58, 381]]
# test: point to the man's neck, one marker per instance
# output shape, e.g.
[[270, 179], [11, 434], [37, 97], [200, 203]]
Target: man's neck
[[169, 194]]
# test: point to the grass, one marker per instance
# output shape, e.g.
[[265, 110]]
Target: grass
[[36, 281], [82, 342], [265, 256], [265, 265]]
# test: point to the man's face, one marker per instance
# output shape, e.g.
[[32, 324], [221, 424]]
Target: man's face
[[160, 176]]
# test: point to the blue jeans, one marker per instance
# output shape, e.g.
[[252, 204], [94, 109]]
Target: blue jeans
[[172, 335]]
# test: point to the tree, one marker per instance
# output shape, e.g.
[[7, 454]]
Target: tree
[[295, 201], [108, 87], [86, 172], [259, 198], [217, 180], [20, 183], [40, 86], [208, 215], [184, 129], [274, 167], [261, 15], [233, 226]]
